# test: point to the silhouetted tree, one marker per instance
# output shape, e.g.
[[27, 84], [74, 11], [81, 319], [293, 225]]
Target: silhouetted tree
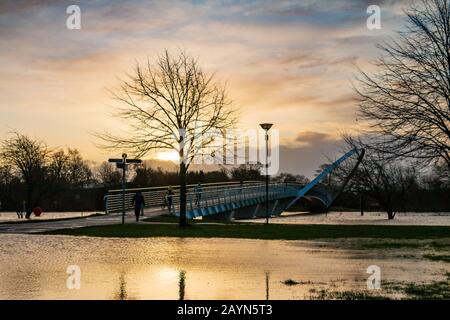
[[78, 171], [379, 177], [437, 179], [69, 169], [9, 188], [171, 104], [289, 177], [28, 158], [407, 100], [247, 172], [327, 180], [107, 174]]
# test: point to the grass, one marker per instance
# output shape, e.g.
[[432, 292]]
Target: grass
[[433, 290], [437, 257], [397, 245], [391, 245], [344, 295], [165, 218], [260, 231], [290, 282]]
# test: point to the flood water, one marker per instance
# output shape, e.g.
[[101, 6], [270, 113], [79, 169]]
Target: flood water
[[369, 218], [34, 267], [12, 216]]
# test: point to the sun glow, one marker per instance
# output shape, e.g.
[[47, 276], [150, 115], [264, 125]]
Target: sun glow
[[168, 156]]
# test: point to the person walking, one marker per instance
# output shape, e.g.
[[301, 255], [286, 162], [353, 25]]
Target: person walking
[[143, 206], [139, 204], [198, 194], [169, 197]]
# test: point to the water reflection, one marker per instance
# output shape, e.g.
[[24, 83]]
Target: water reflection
[[181, 284], [34, 267], [122, 292], [355, 218]]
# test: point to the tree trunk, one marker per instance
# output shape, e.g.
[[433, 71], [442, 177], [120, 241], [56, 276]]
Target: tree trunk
[[391, 215], [29, 200], [448, 164], [361, 203], [183, 221]]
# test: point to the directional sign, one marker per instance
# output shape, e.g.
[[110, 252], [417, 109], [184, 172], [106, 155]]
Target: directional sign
[[126, 160], [122, 164], [134, 161]]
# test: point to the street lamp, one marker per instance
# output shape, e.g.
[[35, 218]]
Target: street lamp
[[266, 127]]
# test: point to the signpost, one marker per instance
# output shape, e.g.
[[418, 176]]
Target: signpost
[[122, 164]]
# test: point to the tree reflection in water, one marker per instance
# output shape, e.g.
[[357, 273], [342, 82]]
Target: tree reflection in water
[[182, 284], [122, 292]]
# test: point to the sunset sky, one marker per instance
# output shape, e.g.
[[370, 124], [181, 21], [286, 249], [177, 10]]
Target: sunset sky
[[286, 62]]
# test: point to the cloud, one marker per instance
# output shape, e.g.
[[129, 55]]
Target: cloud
[[312, 138], [19, 6], [305, 159], [289, 62]]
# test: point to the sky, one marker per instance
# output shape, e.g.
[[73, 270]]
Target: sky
[[287, 62]]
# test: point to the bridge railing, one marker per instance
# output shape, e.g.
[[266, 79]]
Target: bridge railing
[[156, 197], [233, 194]]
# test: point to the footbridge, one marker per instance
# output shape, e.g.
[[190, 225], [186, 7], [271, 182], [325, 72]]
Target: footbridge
[[238, 200]]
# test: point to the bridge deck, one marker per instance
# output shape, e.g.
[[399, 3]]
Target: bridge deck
[[213, 198]]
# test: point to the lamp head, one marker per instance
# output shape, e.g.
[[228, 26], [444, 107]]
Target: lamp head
[[266, 126]]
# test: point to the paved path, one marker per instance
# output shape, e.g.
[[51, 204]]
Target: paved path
[[48, 225]]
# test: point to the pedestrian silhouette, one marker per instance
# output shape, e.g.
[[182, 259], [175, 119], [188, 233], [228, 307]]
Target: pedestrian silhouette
[[139, 204], [198, 194], [169, 197]]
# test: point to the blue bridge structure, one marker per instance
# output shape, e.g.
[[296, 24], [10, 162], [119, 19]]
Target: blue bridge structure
[[240, 200]]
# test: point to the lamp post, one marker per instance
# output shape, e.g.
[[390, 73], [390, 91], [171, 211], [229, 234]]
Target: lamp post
[[266, 127], [122, 164], [124, 169]]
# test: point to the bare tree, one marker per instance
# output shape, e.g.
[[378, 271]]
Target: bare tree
[[289, 177], [408, 99], [379, 177], [69, 169], [28, 158], [107, 174], [78, 171], [171, 104], [246, 172]]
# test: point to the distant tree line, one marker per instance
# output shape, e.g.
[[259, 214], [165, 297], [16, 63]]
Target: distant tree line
[[32, 174]]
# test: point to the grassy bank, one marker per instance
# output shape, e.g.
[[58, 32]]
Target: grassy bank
[[261, 231]]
